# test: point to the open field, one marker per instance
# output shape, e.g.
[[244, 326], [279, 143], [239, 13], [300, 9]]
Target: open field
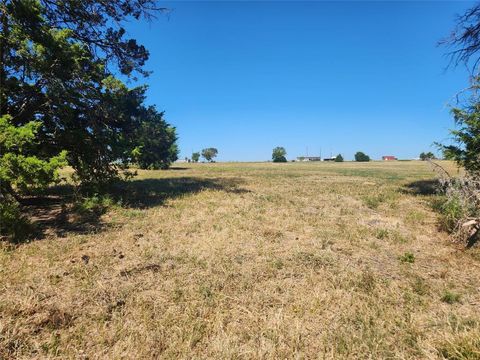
[[315, 260]]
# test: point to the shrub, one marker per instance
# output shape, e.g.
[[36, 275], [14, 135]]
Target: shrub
[[460, 207], [339, 158], [12, 223], [21, 172], [96, 204]]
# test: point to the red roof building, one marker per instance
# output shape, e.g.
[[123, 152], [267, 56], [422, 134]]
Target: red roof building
[[388, 158]]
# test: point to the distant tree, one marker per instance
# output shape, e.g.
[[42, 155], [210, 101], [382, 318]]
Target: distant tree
[[362, 157], [301, 158], [209, 154], [278, 154], [339, 158], [427, 156], [195, 156]]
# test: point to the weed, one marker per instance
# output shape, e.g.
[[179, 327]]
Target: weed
[[450, 297], [461, 347], [407, 257], [420, 286], [382, 234]]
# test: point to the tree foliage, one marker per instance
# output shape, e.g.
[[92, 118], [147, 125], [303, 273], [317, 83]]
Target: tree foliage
[[209, 154], [278, 154], [465, 44], [21, 172], [58, 65], [156, 140], [362, 157], [466, 136], [339, 158], [195, 156], [427, 156]]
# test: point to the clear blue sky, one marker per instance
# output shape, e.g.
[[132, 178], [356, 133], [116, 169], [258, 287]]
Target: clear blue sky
[[245, 77]]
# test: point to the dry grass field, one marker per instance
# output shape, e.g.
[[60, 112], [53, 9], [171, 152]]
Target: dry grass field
[[247, 261]]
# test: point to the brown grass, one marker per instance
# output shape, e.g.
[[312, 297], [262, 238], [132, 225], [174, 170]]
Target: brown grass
[[250, 261]]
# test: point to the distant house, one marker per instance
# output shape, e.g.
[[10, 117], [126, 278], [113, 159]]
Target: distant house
[[309, 158], [329, 159], [388, 158]]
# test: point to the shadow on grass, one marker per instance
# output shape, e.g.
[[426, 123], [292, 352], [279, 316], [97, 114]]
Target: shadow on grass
[[422, 187], [56, 213], [154, 192]]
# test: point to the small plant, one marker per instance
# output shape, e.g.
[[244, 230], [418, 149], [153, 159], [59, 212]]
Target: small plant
[[450, 297], [206, 292], [278, 264], [96, 204], [408, 257], [419, 286], [374, 201], [366, 281], [382, 234]]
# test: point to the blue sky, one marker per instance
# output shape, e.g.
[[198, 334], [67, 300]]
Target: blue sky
[[245, 77]]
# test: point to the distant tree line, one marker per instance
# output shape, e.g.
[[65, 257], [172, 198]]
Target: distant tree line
[[279, 155], [208, 154]]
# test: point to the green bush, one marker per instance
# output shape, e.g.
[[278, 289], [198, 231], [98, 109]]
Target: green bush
[[21, 172], [452, 212], [459, 204], [96, 204], [12, 223]]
